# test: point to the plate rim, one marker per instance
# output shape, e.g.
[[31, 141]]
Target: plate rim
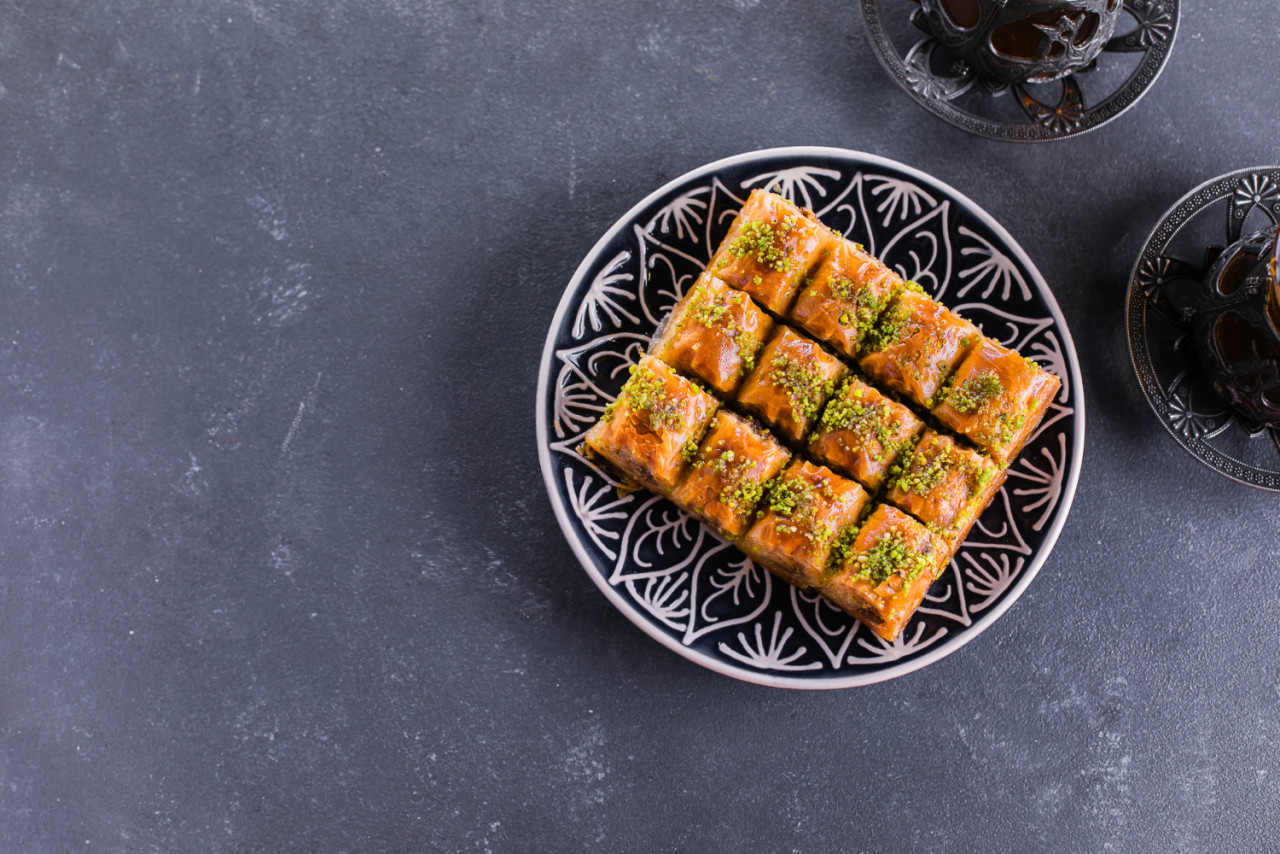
[[1137, 310], [697, 656]]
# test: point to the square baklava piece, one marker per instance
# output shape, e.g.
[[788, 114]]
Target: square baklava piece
[[769, 249], [945, 485], [996, 399], [728, 475], [791, 382], [714, 333], [862, 433], [844, 297], [916, 345], [657, 415], [883, 574], [805, 512]]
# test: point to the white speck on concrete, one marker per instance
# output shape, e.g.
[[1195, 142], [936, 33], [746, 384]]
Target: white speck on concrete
[[304, 405]]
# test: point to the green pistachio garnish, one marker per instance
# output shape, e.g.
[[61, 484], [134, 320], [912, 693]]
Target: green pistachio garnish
[[975, 391], [646, 392], [797, 502], [805, 386], [891, 554], [766, 241]]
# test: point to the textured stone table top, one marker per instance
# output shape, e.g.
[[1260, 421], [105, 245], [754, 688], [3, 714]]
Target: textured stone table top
[[277, 568]]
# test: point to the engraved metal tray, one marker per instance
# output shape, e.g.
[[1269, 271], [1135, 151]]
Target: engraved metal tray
[[1125, 70], [1162, 287]]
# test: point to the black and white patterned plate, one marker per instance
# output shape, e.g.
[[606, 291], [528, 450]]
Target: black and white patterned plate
[[668, 573]]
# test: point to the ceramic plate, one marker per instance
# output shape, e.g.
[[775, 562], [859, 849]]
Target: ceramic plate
[[671, 576]]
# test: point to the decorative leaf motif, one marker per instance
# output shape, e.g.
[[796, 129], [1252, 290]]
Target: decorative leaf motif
[[665, 597], [654, 540], [1047, 351], [1186, 419], [795, 183], [665, 274], [1012, 330], [912, 640], [586, 372], [682, 213], [1154, 25], [738, 581], [832, 628], [917, 65], [930, 231], [1061, 119], [994, 267], [1047, 480], [603, 298], [737, 584], [595, 512], [839, 209], [990, 577], [997, 528], [902, 199], [578, 403], [946, 598], [1256, 190], [1153, 274], [770, 656]]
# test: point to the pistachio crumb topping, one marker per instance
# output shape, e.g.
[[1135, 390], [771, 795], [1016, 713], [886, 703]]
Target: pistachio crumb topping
[[891, 554], [975, 391], [861, 314], [748, 347], [1004, 428], [805, 386], [872, 424], [797, 503], [740, 488], [921, 471], [941, 392], [893, 327], [842, 288], [843, 547], [646, 392], [767, 242], [710, 309]]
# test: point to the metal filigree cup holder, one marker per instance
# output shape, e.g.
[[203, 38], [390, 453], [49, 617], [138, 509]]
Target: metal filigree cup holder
[[1128, 65], [1164, 293]]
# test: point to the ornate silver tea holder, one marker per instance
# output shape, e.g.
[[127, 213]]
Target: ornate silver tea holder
[[1166, 293], [1128, 65]]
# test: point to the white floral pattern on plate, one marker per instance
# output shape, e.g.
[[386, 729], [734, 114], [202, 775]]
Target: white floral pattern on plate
[[677, 580]]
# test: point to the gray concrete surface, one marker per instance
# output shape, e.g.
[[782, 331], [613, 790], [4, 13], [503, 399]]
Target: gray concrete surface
[[277, 570]]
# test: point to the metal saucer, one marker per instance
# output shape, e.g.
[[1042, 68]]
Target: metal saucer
[[1030, 113], [1162, 288]]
